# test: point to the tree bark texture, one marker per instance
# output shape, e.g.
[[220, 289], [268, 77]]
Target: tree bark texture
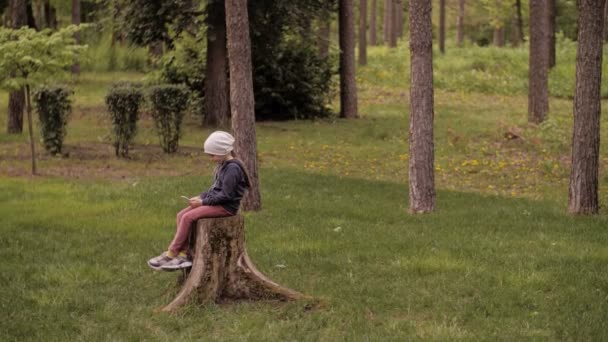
[[499, 36], [605, 18], [442, 26], [217, 96], [583, 192], [392, 24], [222, 270], [373, 39], [520, 20], [551, 31], [30, 128], [385, 22], [16, 98], [348, 85], [538, 91], [421, 170], [242, 105], [76, 21], [324, 34], [460, 23], [362, 32]]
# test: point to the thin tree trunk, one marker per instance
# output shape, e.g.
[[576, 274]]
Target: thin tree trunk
[[392, 25], [348, 85], [324, 34], [385, 22], [421, 176], [520, 20], [605, 18], [30, 128], [460, 23], [399, 17], [76, 21], [372, 25], [499, 36], [242, 105], [515, 35], [442, 26], [583, 192], [217, 96], [16, 99], [551, 31], [538, 92], [362, 32]]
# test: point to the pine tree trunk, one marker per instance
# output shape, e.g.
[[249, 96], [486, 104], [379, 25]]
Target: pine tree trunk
[[421, 170], [16, 99], [242, 105], [217, 96], [605, 19], [362, 32], [460, 23], [385, 21], [30, 128], [392, 25], [583, 194], [551, 31], [372, 25], [348, 85], [515, 35], [442, 26], [76, 21], [520, 20], [324, 34], [538, 92], [499, 36], [222, 270]]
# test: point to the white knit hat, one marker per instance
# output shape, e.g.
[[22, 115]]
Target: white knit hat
[[219, 143]]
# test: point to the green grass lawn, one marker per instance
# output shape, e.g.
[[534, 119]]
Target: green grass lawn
[[499, 259]]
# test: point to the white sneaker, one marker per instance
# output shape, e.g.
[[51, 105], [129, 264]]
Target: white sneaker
[[177, 263]]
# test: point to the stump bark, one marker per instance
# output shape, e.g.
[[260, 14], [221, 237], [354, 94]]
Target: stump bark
[[221, 269]]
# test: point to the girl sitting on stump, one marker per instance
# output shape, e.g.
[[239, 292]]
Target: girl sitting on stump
[[222, 199]]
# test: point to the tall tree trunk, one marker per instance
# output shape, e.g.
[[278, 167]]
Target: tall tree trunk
[[30, 128], [16, 99], [242, 105], [460, 23], [515, 35], [605, 19], [499, 36], [583, 194], [324, 34], [76, 21], [348, 85], [399, 17], [442, 26], [520, 20], [385, 22], [421, 176], [217, 96], [372, 24], [551, 31], [392, 25], [538, 92], [362, 32]]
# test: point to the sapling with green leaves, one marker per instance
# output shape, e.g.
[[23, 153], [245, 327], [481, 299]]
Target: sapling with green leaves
[[30, 58]]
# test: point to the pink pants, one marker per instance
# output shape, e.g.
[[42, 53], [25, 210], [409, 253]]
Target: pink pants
[[187, 217]]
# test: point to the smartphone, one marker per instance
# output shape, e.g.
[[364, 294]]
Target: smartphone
[[186, 198]]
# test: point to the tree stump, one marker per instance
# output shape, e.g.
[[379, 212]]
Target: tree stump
[[221, 269]]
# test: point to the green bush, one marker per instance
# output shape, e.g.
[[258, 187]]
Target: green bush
[[168, 103], [53, 105], [123, 102], [293, 82]]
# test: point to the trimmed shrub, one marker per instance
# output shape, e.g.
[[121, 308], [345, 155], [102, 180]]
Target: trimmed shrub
[[123, 102], [53, 105], [169, 103]]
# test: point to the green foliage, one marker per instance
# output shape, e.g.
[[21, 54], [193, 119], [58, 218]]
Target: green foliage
[[293, 82], [168, 104], [146, 22], [103, 57], [186, 65], [31, 57], [123, 102], [53, 105]]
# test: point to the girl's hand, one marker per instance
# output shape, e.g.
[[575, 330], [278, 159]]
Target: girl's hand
[[195, 202]]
